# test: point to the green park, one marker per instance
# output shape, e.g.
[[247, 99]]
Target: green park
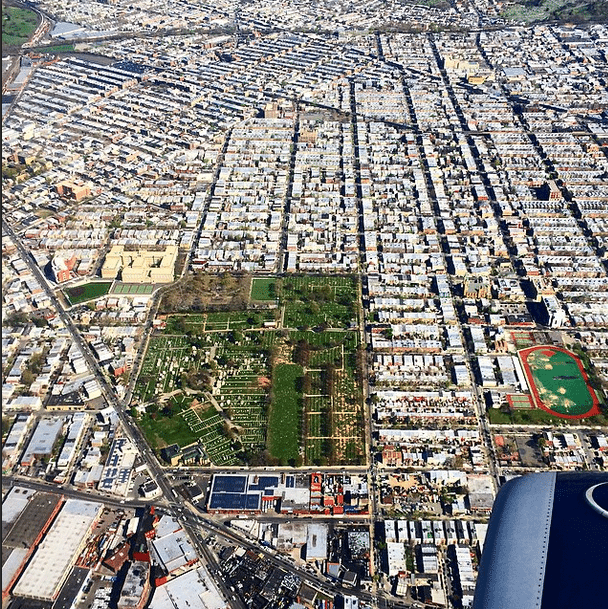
[[18, 25]]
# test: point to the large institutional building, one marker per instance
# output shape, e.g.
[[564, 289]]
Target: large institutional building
[[140, 266]]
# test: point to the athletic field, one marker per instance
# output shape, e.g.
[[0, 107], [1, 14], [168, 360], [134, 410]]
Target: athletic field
[[87, 291], [559, 382]]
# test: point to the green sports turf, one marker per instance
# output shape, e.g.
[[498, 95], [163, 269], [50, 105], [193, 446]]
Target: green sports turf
[[87, 291], [560, 383]]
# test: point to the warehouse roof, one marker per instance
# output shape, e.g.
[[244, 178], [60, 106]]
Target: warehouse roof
[[57, 552], [15, 502]]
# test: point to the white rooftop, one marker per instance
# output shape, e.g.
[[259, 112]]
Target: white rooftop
[[192, 589], [57, 552], [15, 502]]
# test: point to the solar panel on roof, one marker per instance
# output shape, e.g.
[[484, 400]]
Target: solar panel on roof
[[253, 502], [229, 484], [264, 482], [228, 501]]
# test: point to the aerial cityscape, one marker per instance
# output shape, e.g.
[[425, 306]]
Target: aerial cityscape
[[290, 290]]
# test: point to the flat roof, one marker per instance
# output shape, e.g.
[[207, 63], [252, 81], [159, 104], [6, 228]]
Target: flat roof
[[32, 519], [167, 525], [316, 542], [237, 492], [14, 503], [56, 554], [43, 438], [234, 501], [71, 587], [12, 559], [229, 484], [264, 482], [174, 550], [194, 588]]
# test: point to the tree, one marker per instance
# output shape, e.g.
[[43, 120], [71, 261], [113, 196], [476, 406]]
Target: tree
[[253, 320], [229, 431], [236, 336], [179, 324], [104, 449], [16, 319], [314, 308], [327, 293], [275, 352], [301, 353], [27, 377]]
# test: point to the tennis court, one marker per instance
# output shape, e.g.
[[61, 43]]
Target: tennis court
[[133, 289], [522, 339], [520, 401]]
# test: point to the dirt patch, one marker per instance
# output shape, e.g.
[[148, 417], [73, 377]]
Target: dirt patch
[[264, 381], [529, 453]]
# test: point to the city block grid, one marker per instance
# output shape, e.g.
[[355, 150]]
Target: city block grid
[[284, 306]]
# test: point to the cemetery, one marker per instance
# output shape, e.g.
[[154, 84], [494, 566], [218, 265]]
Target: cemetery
[[259, 386]]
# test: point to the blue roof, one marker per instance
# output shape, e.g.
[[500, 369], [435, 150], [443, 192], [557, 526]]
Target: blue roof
[[237, 492]]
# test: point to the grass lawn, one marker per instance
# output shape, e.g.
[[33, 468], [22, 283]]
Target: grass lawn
[[87, 291], [18, 25], [60, 48], [263, 289], [164, 431], [535, 416], [284, 420]]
